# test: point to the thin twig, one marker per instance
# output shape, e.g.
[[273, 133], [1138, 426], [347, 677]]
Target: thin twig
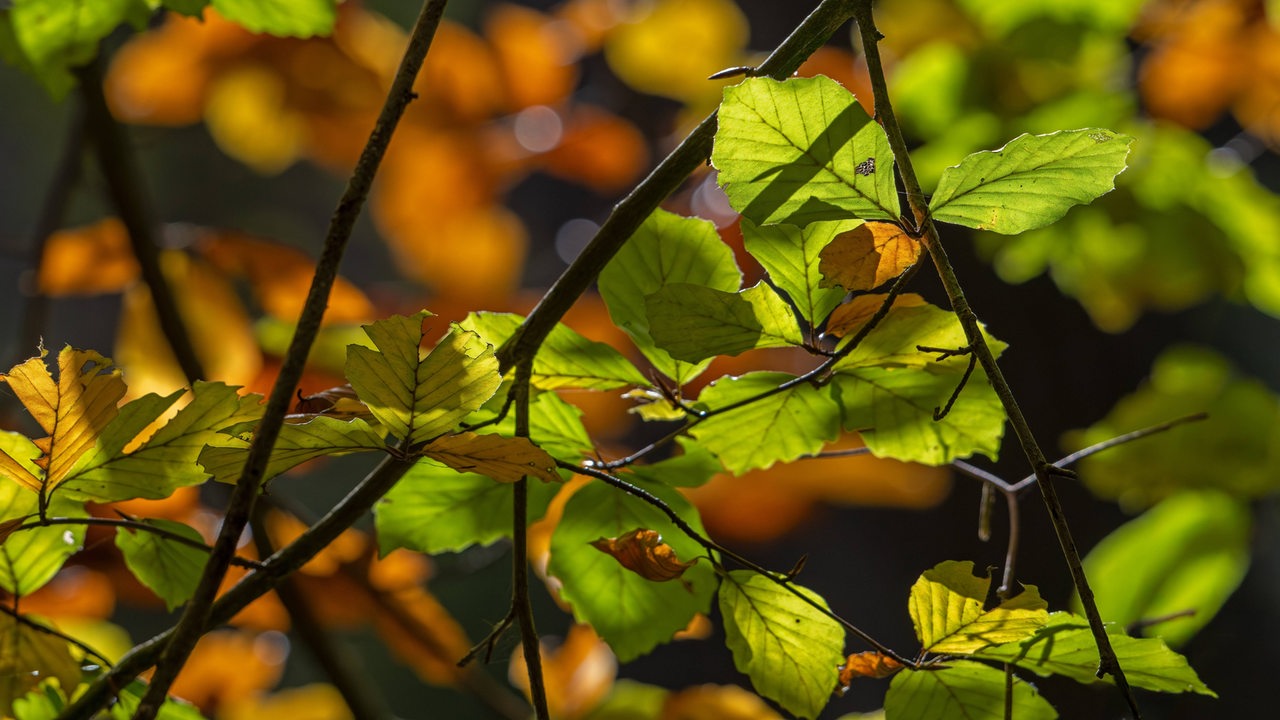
[[38, 627], [137, 525], [1138, 626], [521, 603], [193, 622], [1109, 664], [124, 184]]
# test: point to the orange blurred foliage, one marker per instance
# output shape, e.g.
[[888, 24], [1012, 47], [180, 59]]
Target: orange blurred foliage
[[716, 702], [88, 260], [231, 665], [309, 702], [578, 673]]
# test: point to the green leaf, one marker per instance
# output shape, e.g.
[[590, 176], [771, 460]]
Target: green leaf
[[1030, 182], [328, 352], [964, 690], [632, 614], [286, 18], [791, 255], [788, 648], [1189, 553], [191, 8], [1233, 451], [296, 444], [167, 460], [1065, 646], [171, 709], [801, 151], [169, 568], [27, 657], [692, 468], [415, 397], [435, 509], [694, 322], [30, 558], [889, 390], [779, 428], [565, 359], [504, 459], [946, 607], [667, 248], [51, 37], [631, 700]]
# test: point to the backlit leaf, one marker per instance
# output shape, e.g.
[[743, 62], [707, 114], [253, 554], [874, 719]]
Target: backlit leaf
[[782, 427], [415, 397], [30, 558], [868, 256], [52, 37], [963, 690], [286, 18], [632, 614], [28, 657], [947, 610], [691, 468], [791, 255], [1065, 646], [504, 459], [665, 249], [644, 553], [851, 316], [869, 664], [788, 648], [296, 444], [565, 358], [169, 568], [1186, 554], [436, 509], [1030, 182], [802, 151], [694, 322]]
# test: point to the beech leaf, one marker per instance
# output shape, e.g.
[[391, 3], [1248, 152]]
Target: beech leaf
[[869, 664], [1032, 181], [30, 558], [565, 359], [694, 323], [285, 18], [644, 553], [868, 256], [505, 459], [297, 443], [28, 657], [946, 607], [964, 690], [169, 568], [788, 648], [792, 256]]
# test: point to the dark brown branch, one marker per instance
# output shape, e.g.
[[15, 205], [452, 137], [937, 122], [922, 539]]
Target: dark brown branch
[[521, 604], [196, 618], [137, 525]]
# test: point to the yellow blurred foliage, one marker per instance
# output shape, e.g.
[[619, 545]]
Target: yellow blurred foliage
[[670, 47], [309, 702], [716, 702]]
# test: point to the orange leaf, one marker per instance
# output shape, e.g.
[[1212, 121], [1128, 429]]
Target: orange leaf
[[75, 592], [535, 55], [347, 548], [851, 316], [460, 79], [578, 674], [420, 630], [868, 664], [598, 149], [230, 665], [309, 702], [88, 260], [642, 552], [716, 702], [867, 256]]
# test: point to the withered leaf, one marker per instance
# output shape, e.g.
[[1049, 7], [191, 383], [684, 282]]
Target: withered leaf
[[642, 552], [502, 458], [847, 318], [867, 256], [870, 664]]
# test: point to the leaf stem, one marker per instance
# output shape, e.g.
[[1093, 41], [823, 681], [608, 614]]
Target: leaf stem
[[196, 617], [1109, 664], [131, 524]]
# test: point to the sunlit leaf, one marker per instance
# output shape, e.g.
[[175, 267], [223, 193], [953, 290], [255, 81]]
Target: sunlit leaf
[[30, 558], [27, 657], [964, 690], [1065, 646], [783, 426], [632, 614], [868, 256], [788, 648], [437, 509], [51, 37], [288, 18], [172, 709], [691, 468], [1030, 182], [630, 700], [665, 249], [504, 459], [565, 358], [791, 255], [1185, 555], [869, 664], [415, 397], [802, 151], [643, 552], [947, 610], [169, 568], [296, 444], [694, 322], [849, 318]]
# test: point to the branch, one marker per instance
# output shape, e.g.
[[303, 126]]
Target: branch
[[521, 604], [197, 614], [628, 214], [1109, 664], [83, 647], [124, 183], [133, 525]]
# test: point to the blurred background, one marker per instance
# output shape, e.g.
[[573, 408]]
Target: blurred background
[[533, 119]]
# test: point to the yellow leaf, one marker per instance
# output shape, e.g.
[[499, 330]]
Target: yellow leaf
[[247, 114], [73, 410], [309, 702], [502, 458], [642, 552], [716, 702], [851, 316], [867, 256], [28, 657]]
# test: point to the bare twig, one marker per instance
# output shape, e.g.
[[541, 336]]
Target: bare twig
[[521, 604]]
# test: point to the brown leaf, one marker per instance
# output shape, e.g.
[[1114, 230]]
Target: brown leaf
[[867, 256], [88, 260], [340, 402], [868, 664], [642, 552], [502, 458], [854, 314]]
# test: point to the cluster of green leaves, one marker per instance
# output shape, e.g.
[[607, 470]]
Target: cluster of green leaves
[[51, 38]]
